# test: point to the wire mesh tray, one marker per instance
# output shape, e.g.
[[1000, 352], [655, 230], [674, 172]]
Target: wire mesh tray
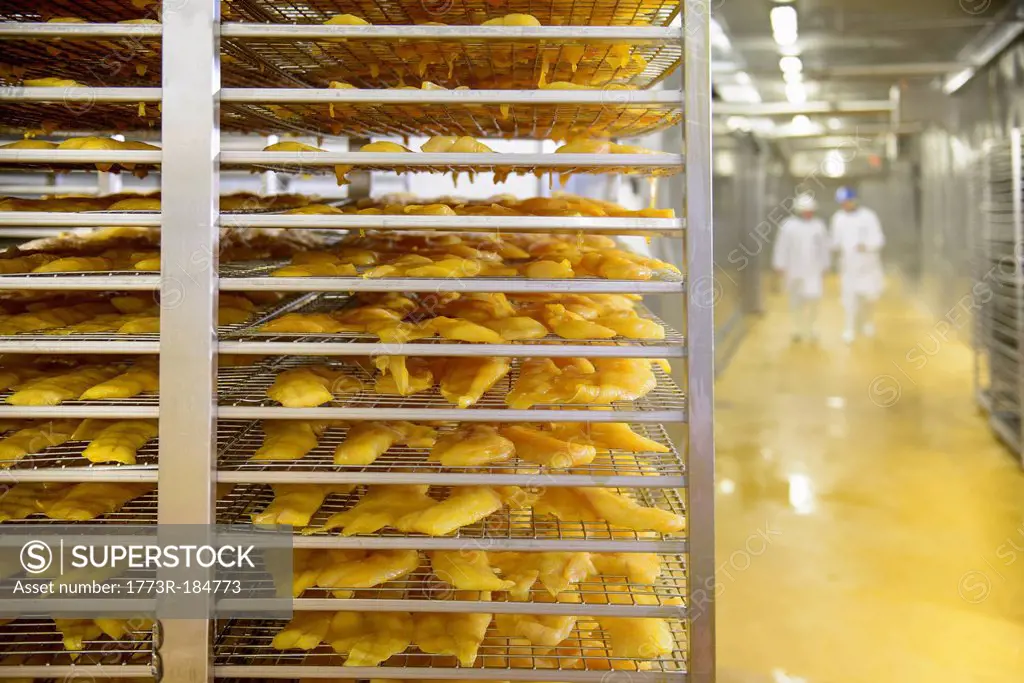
[[510, 63], [256, 275], [505, 525], [245, 388], [65, 463], [536, 121], [27, 643], [423, 586], [335, 302], [238, 440], [314, 162], [549, 12], [141, 510], [243, 648]]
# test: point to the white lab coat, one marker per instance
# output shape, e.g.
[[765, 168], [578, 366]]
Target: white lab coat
[[802, 254], [860, 270]]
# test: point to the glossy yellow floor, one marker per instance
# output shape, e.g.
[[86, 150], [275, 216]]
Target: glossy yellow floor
[[894, 521]]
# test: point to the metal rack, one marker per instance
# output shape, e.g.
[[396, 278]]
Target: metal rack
[[999, 277], [270, 76]]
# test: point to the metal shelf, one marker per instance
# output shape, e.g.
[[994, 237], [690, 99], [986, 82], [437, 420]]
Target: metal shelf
[[248, 339], [661, 164], [243, 649], [239, 440], [507, 529], [247, 277], [243, 395], [139, 511], [597, 13], [65, 463], [479, 57], [422, 591], [506, 224], [525, 119], [37, 645]]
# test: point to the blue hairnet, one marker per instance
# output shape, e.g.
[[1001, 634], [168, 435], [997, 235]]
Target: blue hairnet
[[845, 194]]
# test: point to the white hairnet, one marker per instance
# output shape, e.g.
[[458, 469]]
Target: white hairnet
[[804, 202]]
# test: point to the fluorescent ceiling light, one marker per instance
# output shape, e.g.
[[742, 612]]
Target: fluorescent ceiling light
[[834, 123], [742, 77], [791, 65], [796, 93], [834, 165], [789, 50], [801, 121], [793, 77], [957, 80], [739, 93], [784, 24]]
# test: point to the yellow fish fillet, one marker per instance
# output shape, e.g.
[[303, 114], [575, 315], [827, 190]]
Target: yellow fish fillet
[[369, 638], [641, 568], [638, 638], [120, 441], [517, 328], [466, 380], [464, 330], [367, 441], [609, 435], [513, 20], [365, 569], [547, 448], [90, 500], [54, 390], [309, 387], [459, 635], [305, 631], [472, 445], [143, 378], [288, 439], [380, 507], [540, 630], [74, 633], [467, 569], [597, 504], [34, 439], [295, 504], [30, 498], [556, 571], [291, 146], [464, 506]]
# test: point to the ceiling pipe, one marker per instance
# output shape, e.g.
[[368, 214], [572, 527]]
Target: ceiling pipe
[[849, 107], [990, 41], [864, 130], [910, 69]]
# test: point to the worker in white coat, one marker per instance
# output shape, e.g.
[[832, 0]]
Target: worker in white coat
[[801, 257], [856, 234]]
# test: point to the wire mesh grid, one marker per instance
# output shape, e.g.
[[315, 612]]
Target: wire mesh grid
[[241, 642], [548, 12], [140, 510], [536, 121], [27, 642], [243, 501], [670, 166], [69, 456], [94, 10], [238, 441], [247, 386], [337, 302], [423, 584], [255, 269], [144, 399], [42, 277], [522, 64]]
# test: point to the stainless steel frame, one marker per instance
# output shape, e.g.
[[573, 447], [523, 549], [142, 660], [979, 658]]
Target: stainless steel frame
[[194, 395]]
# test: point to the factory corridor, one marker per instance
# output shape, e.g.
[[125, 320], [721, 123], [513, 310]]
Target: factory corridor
[[869, 527]]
